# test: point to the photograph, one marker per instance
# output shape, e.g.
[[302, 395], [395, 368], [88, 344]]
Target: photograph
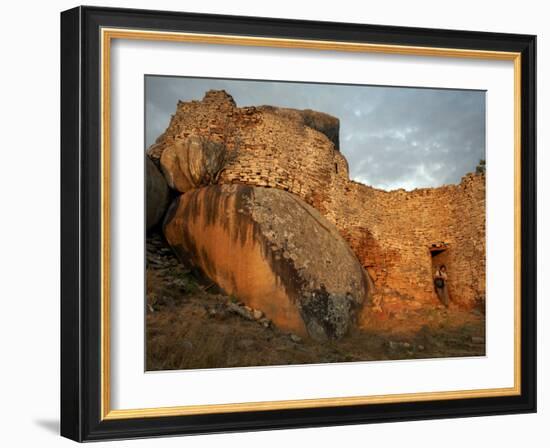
[[291, 223]]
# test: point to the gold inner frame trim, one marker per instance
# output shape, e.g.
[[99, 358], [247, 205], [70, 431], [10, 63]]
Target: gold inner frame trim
[[107, 35]]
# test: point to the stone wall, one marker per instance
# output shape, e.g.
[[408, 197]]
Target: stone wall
[[391, 233], [271, 148], [394, 235]]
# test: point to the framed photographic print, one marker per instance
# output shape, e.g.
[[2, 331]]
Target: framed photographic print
[[273, 223]]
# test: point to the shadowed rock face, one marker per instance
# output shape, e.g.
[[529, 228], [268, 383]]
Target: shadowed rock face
[[157, 194], [272, 251]]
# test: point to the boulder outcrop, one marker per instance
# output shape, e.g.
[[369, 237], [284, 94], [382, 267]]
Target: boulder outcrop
[[192, 162], [274, 252], [324, 123]]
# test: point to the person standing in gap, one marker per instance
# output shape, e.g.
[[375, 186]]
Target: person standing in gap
[[440, 282]]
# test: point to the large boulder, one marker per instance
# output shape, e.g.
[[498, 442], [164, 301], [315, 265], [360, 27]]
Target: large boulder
[[272, 251], [324, 123], [157, 194], [191, 162]]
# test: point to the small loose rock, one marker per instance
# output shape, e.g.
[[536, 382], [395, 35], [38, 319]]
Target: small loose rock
[[264, 322], [241, 311], [295, 338]]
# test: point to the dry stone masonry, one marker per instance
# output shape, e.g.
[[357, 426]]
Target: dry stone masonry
[[398, 237]]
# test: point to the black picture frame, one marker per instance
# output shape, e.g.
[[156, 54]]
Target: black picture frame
[[81, 224]]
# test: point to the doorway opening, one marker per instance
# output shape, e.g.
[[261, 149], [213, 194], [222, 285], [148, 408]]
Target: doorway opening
[[440, 257], [439, 253]]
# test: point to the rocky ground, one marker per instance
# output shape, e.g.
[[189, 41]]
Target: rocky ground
[[190, 325]]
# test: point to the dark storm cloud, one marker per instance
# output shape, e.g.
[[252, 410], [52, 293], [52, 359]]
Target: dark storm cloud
[[392, 137]]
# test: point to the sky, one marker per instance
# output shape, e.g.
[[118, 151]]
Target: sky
[[392, 137]]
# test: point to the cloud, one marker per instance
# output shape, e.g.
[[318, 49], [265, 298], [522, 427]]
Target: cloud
[[393, 137]]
